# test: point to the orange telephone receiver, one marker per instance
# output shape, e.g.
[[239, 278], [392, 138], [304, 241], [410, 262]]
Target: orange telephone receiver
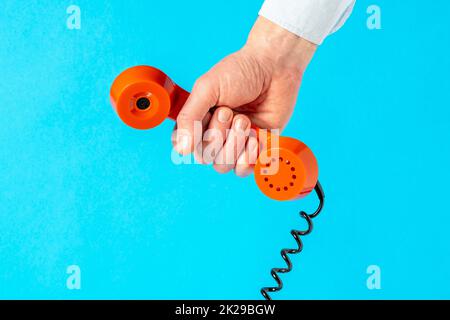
[[144, 96]]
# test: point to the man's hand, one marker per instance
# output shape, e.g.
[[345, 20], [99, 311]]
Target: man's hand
[[257, 85]]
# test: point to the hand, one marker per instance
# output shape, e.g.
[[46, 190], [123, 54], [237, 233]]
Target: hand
[[257, 85]]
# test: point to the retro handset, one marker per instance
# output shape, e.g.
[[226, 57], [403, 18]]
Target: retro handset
[[144, 97]]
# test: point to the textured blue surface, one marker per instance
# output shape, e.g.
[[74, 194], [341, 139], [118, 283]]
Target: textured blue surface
[[79, 187]]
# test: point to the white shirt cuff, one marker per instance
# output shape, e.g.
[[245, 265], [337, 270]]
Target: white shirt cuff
[[312, 20]]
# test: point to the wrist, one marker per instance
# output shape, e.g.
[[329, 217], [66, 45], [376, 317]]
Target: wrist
[[283, 48]]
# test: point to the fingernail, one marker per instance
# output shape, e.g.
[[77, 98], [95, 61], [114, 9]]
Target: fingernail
[[241, 124], [224, 115]]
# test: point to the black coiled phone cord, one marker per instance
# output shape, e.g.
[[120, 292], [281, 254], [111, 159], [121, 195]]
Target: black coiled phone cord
[[297, 234]]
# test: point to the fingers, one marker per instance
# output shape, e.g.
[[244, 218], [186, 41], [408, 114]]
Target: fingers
[[235, 81], [200, 145], [247, 159], [225, 143], [228, 143], [204, 96], [216, 134], [226, 159]]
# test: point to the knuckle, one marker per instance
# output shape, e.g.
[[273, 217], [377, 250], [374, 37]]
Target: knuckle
[[184, 120], [182, 116], [202, 84]]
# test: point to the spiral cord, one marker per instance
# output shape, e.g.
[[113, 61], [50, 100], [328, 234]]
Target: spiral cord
[[297, 234]]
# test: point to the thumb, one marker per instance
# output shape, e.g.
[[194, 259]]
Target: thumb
[[204, 96]]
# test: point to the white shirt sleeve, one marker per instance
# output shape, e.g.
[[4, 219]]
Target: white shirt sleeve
[[312, 20]]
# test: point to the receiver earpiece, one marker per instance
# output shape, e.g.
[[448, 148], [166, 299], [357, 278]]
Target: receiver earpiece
[[144, 97]]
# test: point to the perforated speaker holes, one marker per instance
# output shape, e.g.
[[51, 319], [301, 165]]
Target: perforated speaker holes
[[284, 162]]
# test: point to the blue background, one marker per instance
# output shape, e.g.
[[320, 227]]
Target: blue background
[[79, 187]]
